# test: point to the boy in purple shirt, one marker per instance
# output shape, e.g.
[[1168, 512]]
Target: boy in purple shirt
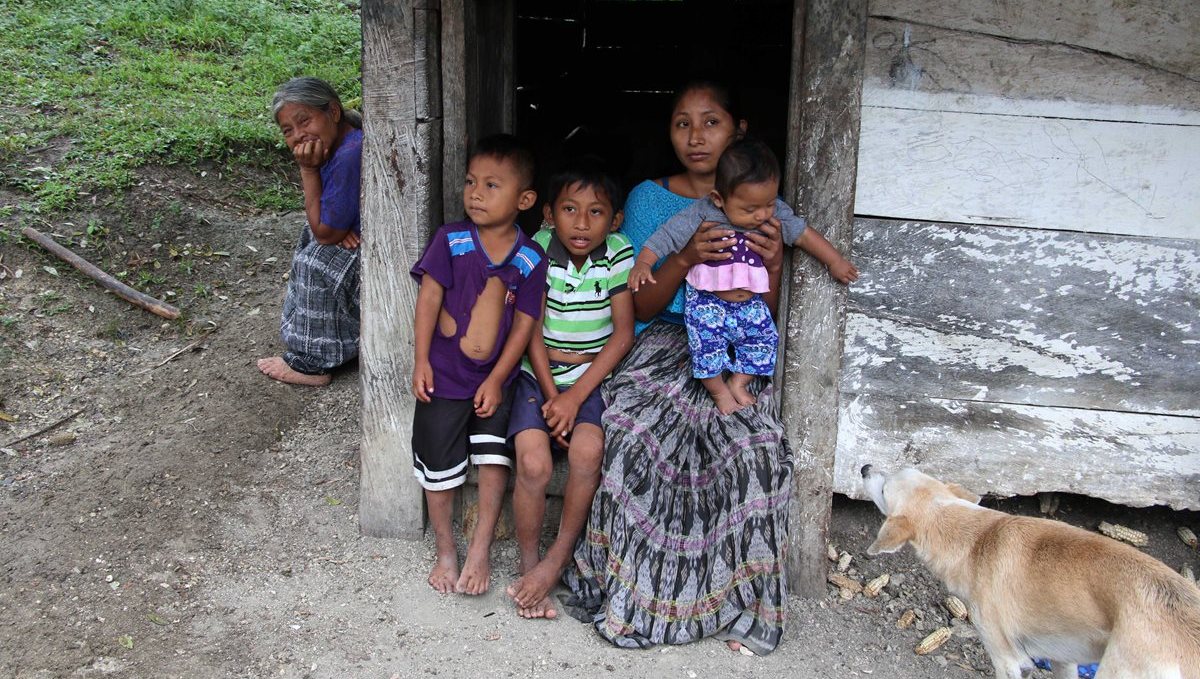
[[481, 281]]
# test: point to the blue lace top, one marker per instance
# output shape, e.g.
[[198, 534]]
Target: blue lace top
[[650, 205]]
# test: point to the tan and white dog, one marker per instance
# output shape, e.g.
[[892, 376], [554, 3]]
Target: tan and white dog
[[1038, 588]]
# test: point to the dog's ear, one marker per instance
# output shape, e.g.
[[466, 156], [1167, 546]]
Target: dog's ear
[[963, 493], [893, 534]]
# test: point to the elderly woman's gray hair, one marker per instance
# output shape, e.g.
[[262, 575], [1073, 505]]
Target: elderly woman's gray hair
[[313, 92]]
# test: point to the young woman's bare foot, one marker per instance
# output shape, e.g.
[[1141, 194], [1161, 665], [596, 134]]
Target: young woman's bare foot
[[530, 589], [738, 387], [542, 609], [476, 572], [739, 647], [275, 368], [444, 573]]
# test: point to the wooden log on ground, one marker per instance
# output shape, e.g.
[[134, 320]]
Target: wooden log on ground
[[108, 282], [828, 57]]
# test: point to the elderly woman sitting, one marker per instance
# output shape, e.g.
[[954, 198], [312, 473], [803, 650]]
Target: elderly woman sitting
[[320, 325]]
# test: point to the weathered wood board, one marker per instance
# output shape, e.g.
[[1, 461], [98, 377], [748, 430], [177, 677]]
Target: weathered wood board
[[401, 193], [1044, 115], [916, 57], [1068, 359], [823, 145], [1159, 33], [993, 448], [1032, 166]]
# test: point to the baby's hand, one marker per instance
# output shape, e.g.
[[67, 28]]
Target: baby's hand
[[639, 275], [843, 271]]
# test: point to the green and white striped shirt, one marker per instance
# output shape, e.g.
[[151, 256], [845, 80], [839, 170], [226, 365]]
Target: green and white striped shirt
[[578, 315]]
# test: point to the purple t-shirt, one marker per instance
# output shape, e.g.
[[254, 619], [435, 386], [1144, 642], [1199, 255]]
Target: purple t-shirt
[[340, 179], [457, 261]]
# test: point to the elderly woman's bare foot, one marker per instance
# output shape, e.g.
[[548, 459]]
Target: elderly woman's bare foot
[[277, 369]]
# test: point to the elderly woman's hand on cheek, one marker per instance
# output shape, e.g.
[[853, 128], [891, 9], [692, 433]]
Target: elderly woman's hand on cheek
[[310, 154]]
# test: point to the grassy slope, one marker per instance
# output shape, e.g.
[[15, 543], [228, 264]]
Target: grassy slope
[[130, 82]]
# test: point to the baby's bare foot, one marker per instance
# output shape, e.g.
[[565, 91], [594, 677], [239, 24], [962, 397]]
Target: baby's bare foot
[[726, 403], [277, 369], [444, 573], [476, 573], [741, 394]]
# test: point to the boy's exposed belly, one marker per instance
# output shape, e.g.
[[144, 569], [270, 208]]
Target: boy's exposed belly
[[569, 357]]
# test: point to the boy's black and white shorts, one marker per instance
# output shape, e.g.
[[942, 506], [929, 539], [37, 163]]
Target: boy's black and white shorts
[[447, 434]]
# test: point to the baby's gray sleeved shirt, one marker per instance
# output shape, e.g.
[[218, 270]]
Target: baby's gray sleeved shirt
[[792, 223], [679, 229], [675, 233]]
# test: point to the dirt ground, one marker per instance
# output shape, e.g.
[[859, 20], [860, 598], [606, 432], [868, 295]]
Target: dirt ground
[[188, 517]]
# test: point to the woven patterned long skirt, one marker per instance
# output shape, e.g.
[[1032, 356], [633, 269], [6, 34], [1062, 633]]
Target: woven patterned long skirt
[[320, 320], [688, 530]]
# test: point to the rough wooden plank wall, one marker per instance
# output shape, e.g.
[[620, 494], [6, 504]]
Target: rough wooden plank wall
[[1159, 33], [823, 142], [1020, 361], [1025, 316], [401, 140], [1004, 449], [1044, 115]]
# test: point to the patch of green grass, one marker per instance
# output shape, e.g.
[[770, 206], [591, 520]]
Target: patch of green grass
[[127, 82]]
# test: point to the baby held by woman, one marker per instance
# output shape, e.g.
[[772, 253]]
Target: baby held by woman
[[725, 307]]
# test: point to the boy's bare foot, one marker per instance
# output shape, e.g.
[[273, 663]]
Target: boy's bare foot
[[542, 609], [444, 573], [530, 589], [476, 572], [741, 394], [277, 369]]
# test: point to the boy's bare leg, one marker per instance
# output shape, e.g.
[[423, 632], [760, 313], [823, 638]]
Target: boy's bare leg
[[534, 466], [441, 510], [477, 569], [278, 369], [738, 383], [532, 591], [721, 395]]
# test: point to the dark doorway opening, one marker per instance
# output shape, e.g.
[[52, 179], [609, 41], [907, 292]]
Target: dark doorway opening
[[597, 76]]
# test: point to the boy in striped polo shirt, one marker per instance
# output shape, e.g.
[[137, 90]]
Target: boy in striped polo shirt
[[587, 328]]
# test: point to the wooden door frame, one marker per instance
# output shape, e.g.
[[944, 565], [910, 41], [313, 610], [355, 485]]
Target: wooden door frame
[[828, 52], [430, 88]]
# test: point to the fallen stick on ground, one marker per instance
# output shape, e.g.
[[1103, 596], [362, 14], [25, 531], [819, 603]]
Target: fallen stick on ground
[[107, 281], [45, 429], [173, 356]]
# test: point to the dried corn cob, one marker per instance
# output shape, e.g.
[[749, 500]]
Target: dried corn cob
[[844, 562], [956, 607], [874, 587], [1118, 532], [932, 642], [1188, 537], [843, 582], [907, 619]]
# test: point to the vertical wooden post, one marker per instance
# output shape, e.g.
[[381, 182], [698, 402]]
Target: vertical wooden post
[[823, 126], [401, 203]]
